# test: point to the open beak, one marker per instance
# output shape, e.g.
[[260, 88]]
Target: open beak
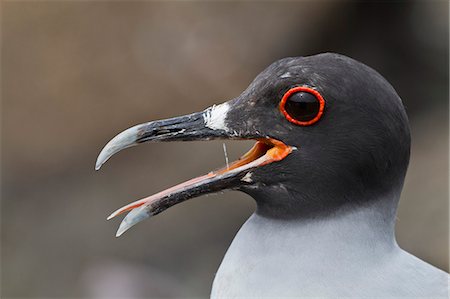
[[196, 126]]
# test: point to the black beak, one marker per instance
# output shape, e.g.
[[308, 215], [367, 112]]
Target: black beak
[[184, 128], [207, 125]]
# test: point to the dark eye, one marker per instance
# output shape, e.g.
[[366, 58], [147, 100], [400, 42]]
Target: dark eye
[[302, 106]]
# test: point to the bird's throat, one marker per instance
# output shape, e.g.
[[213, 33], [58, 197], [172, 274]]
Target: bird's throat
[[298, 256], [349, 234]]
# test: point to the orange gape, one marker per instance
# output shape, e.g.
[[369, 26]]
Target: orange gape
[[258, 150], [274, 149], [278, 152]]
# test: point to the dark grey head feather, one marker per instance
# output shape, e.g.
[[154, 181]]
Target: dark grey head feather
[[356, 153]]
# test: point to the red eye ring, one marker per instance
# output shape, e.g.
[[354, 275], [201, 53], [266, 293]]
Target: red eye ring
[[304, 89]]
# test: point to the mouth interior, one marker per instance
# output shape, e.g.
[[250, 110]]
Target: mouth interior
[[271, 149], [265, 151]]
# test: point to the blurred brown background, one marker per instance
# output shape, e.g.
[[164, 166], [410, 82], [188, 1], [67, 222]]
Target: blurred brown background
[[76, 73]]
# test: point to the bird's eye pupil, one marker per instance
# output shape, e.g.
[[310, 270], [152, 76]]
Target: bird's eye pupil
[[302, 106]]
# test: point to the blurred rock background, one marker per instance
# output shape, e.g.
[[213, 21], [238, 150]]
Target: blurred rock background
[[76, 73]]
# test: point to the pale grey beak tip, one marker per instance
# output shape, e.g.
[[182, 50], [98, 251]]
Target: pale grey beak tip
[[123, 227], [102, 158], [134, 217], [121, 141], [98, 165], [120, 232]]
